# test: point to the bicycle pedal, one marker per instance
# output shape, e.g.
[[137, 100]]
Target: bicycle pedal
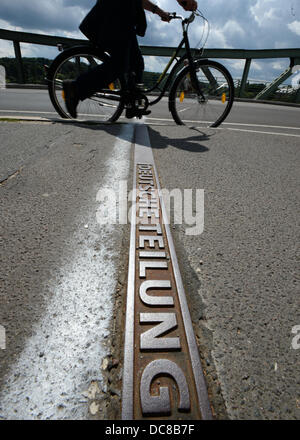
[[131, 112], [134, 112]]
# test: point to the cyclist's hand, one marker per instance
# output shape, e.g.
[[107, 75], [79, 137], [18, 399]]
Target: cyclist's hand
[[188, 5], [165, 16]]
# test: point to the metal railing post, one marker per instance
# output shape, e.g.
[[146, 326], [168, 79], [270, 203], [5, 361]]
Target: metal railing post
[[245, 77], [233, 54], [18, 55]]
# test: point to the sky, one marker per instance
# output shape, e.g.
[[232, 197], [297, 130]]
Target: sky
[[238, 24]]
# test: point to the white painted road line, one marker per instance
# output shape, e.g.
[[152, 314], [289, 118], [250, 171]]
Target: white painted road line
[[66, 350], [261, 125], [262, 132], [226, 123], [223, 126], [28, 112]]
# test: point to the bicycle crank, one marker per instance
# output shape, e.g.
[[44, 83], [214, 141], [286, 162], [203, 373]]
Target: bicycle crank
[[137, 106]]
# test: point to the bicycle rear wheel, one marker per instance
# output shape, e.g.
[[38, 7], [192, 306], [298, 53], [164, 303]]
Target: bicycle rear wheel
[[104, 106], [210, 109]]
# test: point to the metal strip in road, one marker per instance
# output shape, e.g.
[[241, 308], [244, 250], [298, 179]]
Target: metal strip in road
[[162, 375]]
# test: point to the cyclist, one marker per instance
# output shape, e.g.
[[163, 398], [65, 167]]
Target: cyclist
[[114, 26]]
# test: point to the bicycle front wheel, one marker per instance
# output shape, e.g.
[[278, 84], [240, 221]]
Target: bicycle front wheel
[[104, 105], [212, 105]]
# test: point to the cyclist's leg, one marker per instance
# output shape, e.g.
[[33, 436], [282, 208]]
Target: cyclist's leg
[[98, 77], [112, 68], [137, 64], [136, 68], [125, 56]]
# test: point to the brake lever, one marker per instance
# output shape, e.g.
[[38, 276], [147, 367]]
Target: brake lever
[[173, 15]]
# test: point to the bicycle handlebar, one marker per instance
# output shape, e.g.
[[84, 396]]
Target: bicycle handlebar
[[188, 20]]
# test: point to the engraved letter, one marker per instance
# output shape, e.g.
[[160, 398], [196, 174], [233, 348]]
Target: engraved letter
[[152, 239], [151, 265], [148, 212], [152, 254], [156, 228], [156, 300], [161, 404], [150, 339]]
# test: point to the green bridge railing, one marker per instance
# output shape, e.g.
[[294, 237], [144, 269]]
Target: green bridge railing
[[248, 55]]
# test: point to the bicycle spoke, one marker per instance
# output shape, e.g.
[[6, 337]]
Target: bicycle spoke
[[213, 106], [104, 105]]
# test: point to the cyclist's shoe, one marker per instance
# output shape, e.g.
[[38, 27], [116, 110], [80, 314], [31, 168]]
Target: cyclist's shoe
[[71, 97], [135, 112]]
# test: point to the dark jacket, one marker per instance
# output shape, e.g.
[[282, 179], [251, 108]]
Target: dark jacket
[[110, 20]]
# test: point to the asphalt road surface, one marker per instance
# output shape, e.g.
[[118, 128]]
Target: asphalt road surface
[[63, 275], [37, 103]]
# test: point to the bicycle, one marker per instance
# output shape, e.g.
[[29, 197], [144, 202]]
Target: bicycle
[[200, 90]]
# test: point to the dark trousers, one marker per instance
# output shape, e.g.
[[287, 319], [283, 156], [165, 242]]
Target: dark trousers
[[125, 57]]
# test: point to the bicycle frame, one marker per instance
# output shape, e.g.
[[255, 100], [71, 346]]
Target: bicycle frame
[[188, 55], [171, 75], [116, 96], [125, 93]]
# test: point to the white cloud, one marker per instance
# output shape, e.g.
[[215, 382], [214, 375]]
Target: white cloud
[[266, 11], [256, 66], [234, 29], [6, 49], [237, 65], [155, 64], [217, 38], [279, 65], [239, 24], [295, 27]]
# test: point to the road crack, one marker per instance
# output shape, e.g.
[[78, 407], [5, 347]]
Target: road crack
[[11, 176]]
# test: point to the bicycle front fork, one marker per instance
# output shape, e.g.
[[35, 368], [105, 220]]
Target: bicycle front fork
[[193, 71]]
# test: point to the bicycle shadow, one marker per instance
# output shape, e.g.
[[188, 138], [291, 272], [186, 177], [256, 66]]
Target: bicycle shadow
[[191, 144]]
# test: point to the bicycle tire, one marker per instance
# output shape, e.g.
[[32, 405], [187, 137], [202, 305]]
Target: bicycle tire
[[216, 95], [64, 67]]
